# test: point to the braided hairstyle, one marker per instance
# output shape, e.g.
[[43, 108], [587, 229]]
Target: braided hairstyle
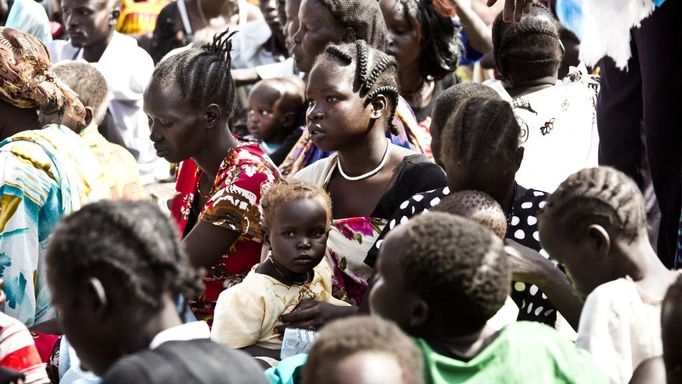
[[529, 49], [457, 266], [127, 244], [364, 17], [203, 74], [480, 132], [346, 337], [478, 207], [375, 73], [602, 192], [440, 40], [447, 103]]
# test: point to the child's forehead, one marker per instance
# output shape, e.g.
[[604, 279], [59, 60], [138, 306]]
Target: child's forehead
[[266, 93]]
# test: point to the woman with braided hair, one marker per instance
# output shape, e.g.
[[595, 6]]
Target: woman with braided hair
[[595, 225], [352, 95], [189, 102], [557, 117], [322, 22]]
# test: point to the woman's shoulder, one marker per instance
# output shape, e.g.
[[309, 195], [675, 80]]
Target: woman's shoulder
[[316, 172], [420, 169]]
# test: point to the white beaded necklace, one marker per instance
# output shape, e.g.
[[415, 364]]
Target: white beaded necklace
[[368, 174]]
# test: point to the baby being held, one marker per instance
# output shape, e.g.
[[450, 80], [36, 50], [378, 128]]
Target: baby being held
[[296, 221], [276, 108]]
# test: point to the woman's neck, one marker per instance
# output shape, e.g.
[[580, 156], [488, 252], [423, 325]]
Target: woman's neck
[[210, 159], [410, 79], [525, 87], [363, 155]]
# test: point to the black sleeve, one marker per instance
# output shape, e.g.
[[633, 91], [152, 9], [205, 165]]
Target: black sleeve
[[417, 174]]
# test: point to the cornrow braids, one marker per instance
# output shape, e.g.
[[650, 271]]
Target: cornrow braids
[[599, 192], [202, 74], [456, 266], [129, 244], [529, 49], [370, 83], [447, 103], [481, 131], [291, 190]]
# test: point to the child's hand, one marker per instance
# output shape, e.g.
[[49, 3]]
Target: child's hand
[[313, 314]]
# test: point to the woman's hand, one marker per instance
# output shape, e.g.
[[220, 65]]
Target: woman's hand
[[527, 264], [313, 314], [513, 8]]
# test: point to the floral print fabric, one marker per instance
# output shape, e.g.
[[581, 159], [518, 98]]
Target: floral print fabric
[[233, 205]]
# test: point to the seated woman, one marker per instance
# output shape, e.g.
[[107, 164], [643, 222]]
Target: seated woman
[[325, 21], [479, 146], [352, 94], [188, 102], [557, 117], [45, 173], [427, 46]]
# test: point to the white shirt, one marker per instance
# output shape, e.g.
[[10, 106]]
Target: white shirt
[[558, 129], [194, 330], [127, 69], [621, 327]]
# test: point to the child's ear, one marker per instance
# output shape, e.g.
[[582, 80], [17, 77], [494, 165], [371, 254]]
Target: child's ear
[[600, 239], [289, 119], [96, 296], [518, 157], [379, 105], [419, 313]]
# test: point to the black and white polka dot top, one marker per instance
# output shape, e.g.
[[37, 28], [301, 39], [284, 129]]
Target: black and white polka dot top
[[523, 227]]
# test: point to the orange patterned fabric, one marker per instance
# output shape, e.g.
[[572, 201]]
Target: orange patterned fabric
[[27, 80]]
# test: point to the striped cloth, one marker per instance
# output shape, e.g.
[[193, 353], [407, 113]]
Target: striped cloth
[[18, 352]]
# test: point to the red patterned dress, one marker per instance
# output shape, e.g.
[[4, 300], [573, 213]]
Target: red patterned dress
[[233, 204]]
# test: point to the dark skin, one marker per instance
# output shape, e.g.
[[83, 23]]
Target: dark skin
[[298, 240], [317, 28], [339, 121], [390, 299], [90, 25], [180, 132], [14, 120], [103, 325], [404, 45], [497, 178], [513, 9]]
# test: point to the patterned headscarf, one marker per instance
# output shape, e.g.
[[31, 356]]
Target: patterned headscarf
[[27, 80]]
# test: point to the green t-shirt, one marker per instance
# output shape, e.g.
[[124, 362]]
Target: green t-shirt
[[522, 352]]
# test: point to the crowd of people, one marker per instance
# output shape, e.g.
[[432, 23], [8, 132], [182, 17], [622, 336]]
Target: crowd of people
[[363, 191]]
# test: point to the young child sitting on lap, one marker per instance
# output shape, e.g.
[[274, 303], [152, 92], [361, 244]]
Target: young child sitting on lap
[[296, 221], [595, 225], [276, 107], [440, 278]]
